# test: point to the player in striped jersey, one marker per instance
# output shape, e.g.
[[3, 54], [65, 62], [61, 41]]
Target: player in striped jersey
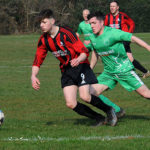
[[65, 45], [122, 21]]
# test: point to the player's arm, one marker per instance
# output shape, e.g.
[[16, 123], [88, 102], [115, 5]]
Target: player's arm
[[79, 31], [77, 34], [38, 60], [35, 81], [106, 21], [94, 59], [73, 42], [130, 23], [140, 42], [79, 47], [75, 62]]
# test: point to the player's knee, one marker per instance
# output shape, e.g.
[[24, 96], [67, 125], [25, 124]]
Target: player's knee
[[85, 97], [70, 105], [146, 94], [130, 57]]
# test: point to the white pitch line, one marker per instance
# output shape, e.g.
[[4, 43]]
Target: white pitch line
[[83, 138]]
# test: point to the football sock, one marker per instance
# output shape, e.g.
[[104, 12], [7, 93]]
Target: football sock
[[110, 103], [138, 66], [86, 111], [97, 102]]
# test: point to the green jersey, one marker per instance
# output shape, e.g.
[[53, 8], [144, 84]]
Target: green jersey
[[109, 46], [85, 29]]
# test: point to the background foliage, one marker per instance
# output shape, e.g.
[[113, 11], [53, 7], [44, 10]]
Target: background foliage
[[19, 16]]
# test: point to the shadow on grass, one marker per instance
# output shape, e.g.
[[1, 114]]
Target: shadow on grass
[[84, 121], [49, 123], [136, 117], [133, 117], [90, 122]]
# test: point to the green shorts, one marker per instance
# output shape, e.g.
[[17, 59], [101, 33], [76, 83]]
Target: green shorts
[[129, 80]]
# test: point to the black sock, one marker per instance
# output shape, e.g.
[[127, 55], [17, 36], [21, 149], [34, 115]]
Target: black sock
[[86, 111], [97, 102], [138, 66]]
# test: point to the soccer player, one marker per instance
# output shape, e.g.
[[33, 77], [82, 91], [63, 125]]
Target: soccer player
[[85, 29], [107, 43], [122, 21], [64, 44]]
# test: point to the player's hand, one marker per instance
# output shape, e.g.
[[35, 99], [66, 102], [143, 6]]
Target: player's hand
[[35, 82], [74, 62]]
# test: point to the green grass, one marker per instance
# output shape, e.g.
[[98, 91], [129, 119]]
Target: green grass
[[41, 121]]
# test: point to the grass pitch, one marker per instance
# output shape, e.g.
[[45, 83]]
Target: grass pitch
[[41, 121]]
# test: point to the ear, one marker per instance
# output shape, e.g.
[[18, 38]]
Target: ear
[[53, 21], [102, 22]]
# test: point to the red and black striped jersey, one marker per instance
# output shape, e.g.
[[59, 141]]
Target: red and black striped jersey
[[120, 21], [65, 46]]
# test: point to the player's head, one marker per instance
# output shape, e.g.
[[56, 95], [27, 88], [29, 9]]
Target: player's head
[[85, 13], [114, 7], [46, 19], [96, 21]]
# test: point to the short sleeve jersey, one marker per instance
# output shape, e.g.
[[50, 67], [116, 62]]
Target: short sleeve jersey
[[121, 21], [65, 46], [85, 29], [110, 48]]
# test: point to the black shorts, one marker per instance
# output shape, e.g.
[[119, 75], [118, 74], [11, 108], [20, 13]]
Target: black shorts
[[127, 46], [80, 75]]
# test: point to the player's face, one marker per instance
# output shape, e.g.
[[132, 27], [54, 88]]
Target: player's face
[[114, 8], [85, 14], [47, 24], [96, 25]]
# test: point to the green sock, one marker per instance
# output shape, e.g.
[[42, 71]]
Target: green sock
[[110, 103]]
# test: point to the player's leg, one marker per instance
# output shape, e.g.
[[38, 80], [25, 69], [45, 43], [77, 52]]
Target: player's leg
[[144, 91], [132, 82], [138, 66], [110, 103], [97, 102], [119, 111], [136, 63], [68, 84], [85, 95], [70, 93], [106, 80]]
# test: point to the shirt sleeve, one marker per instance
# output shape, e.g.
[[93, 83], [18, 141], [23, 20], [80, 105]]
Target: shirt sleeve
[[106, 20], [120, 35], [41, 53], [129, 22]]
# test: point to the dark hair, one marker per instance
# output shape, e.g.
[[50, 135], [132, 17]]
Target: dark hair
[[45, 13], [99, 15], [114, 1]]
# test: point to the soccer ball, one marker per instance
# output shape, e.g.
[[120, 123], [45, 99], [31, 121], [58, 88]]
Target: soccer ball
[[1, 117]]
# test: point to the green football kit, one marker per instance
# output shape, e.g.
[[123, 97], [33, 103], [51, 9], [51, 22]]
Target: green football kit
[[117, 66], [86, 30]]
